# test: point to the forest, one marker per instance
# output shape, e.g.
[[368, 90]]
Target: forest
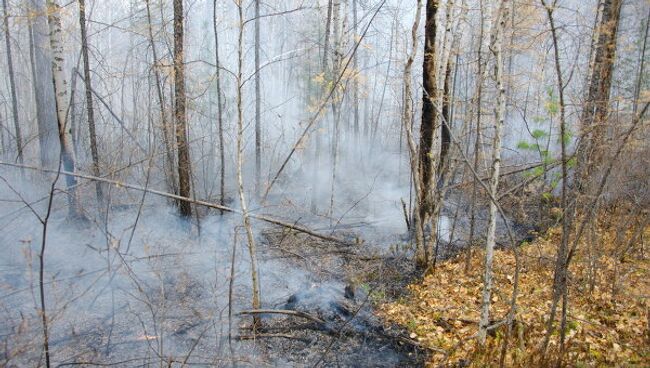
[[324, 183]]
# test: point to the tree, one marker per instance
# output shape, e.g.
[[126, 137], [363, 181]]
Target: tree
[[596, 105], [496, 45], [429, 129], [167, 126], [62, 104], [12, 85], [258, 103], [256, 299], [90, 112], [407, 122], [41, 63], [184, 164], [222, 152]]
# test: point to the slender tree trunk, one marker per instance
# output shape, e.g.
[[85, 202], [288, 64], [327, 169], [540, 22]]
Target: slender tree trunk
[[317, 146], [338, 32], [639, 79], [429, 132], [477, 139], [12, 86], [222, 155], [61, 103], [184, 165], [167, 134], [258, 106], [48, 131], [407, 120], [499, 115], [256, 301], [90, 112], [355, 81], [566, 219]]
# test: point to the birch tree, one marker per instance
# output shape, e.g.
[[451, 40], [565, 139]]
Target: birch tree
[[62, 105], [496, 47]]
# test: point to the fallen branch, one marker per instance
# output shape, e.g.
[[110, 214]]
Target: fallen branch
[[189, 200], [270, 335], [287, 312]]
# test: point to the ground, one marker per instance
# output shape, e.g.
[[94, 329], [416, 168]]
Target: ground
[[608, 312]]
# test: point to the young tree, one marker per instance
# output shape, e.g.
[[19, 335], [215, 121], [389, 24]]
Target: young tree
[[256, 300], [496, 45], [258, 103], [407, 121]]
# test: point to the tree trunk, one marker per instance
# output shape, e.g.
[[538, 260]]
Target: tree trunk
[[317, 146], [407, 120], [477, 139], [222, 156], [61, 103], [12, 86], [90, 112], [429, 132], [355, 81], [637, 87], [167, 134], [48, 130], [258, 105], [256, 300], [596, 105], [499, 115], [184, 165]]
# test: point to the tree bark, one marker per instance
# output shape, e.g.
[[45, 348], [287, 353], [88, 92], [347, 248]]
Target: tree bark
[[48, 130], [317, 146], [62, 104], [184, 165], [407, 120], [258, 105], [596, 105], [256, 300], [429, 132], [12, 86], [499, 115], [167, 134], [90, 112], [222, 154], [477, 139]]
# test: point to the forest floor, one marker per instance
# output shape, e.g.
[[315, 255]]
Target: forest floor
[[608, 311]]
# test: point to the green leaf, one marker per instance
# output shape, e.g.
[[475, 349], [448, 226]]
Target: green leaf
[[538, 133], [538, 171], [571, 163], [523, 145]]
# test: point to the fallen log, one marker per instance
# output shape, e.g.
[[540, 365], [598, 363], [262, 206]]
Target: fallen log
[[287, 312], [118, 183]]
